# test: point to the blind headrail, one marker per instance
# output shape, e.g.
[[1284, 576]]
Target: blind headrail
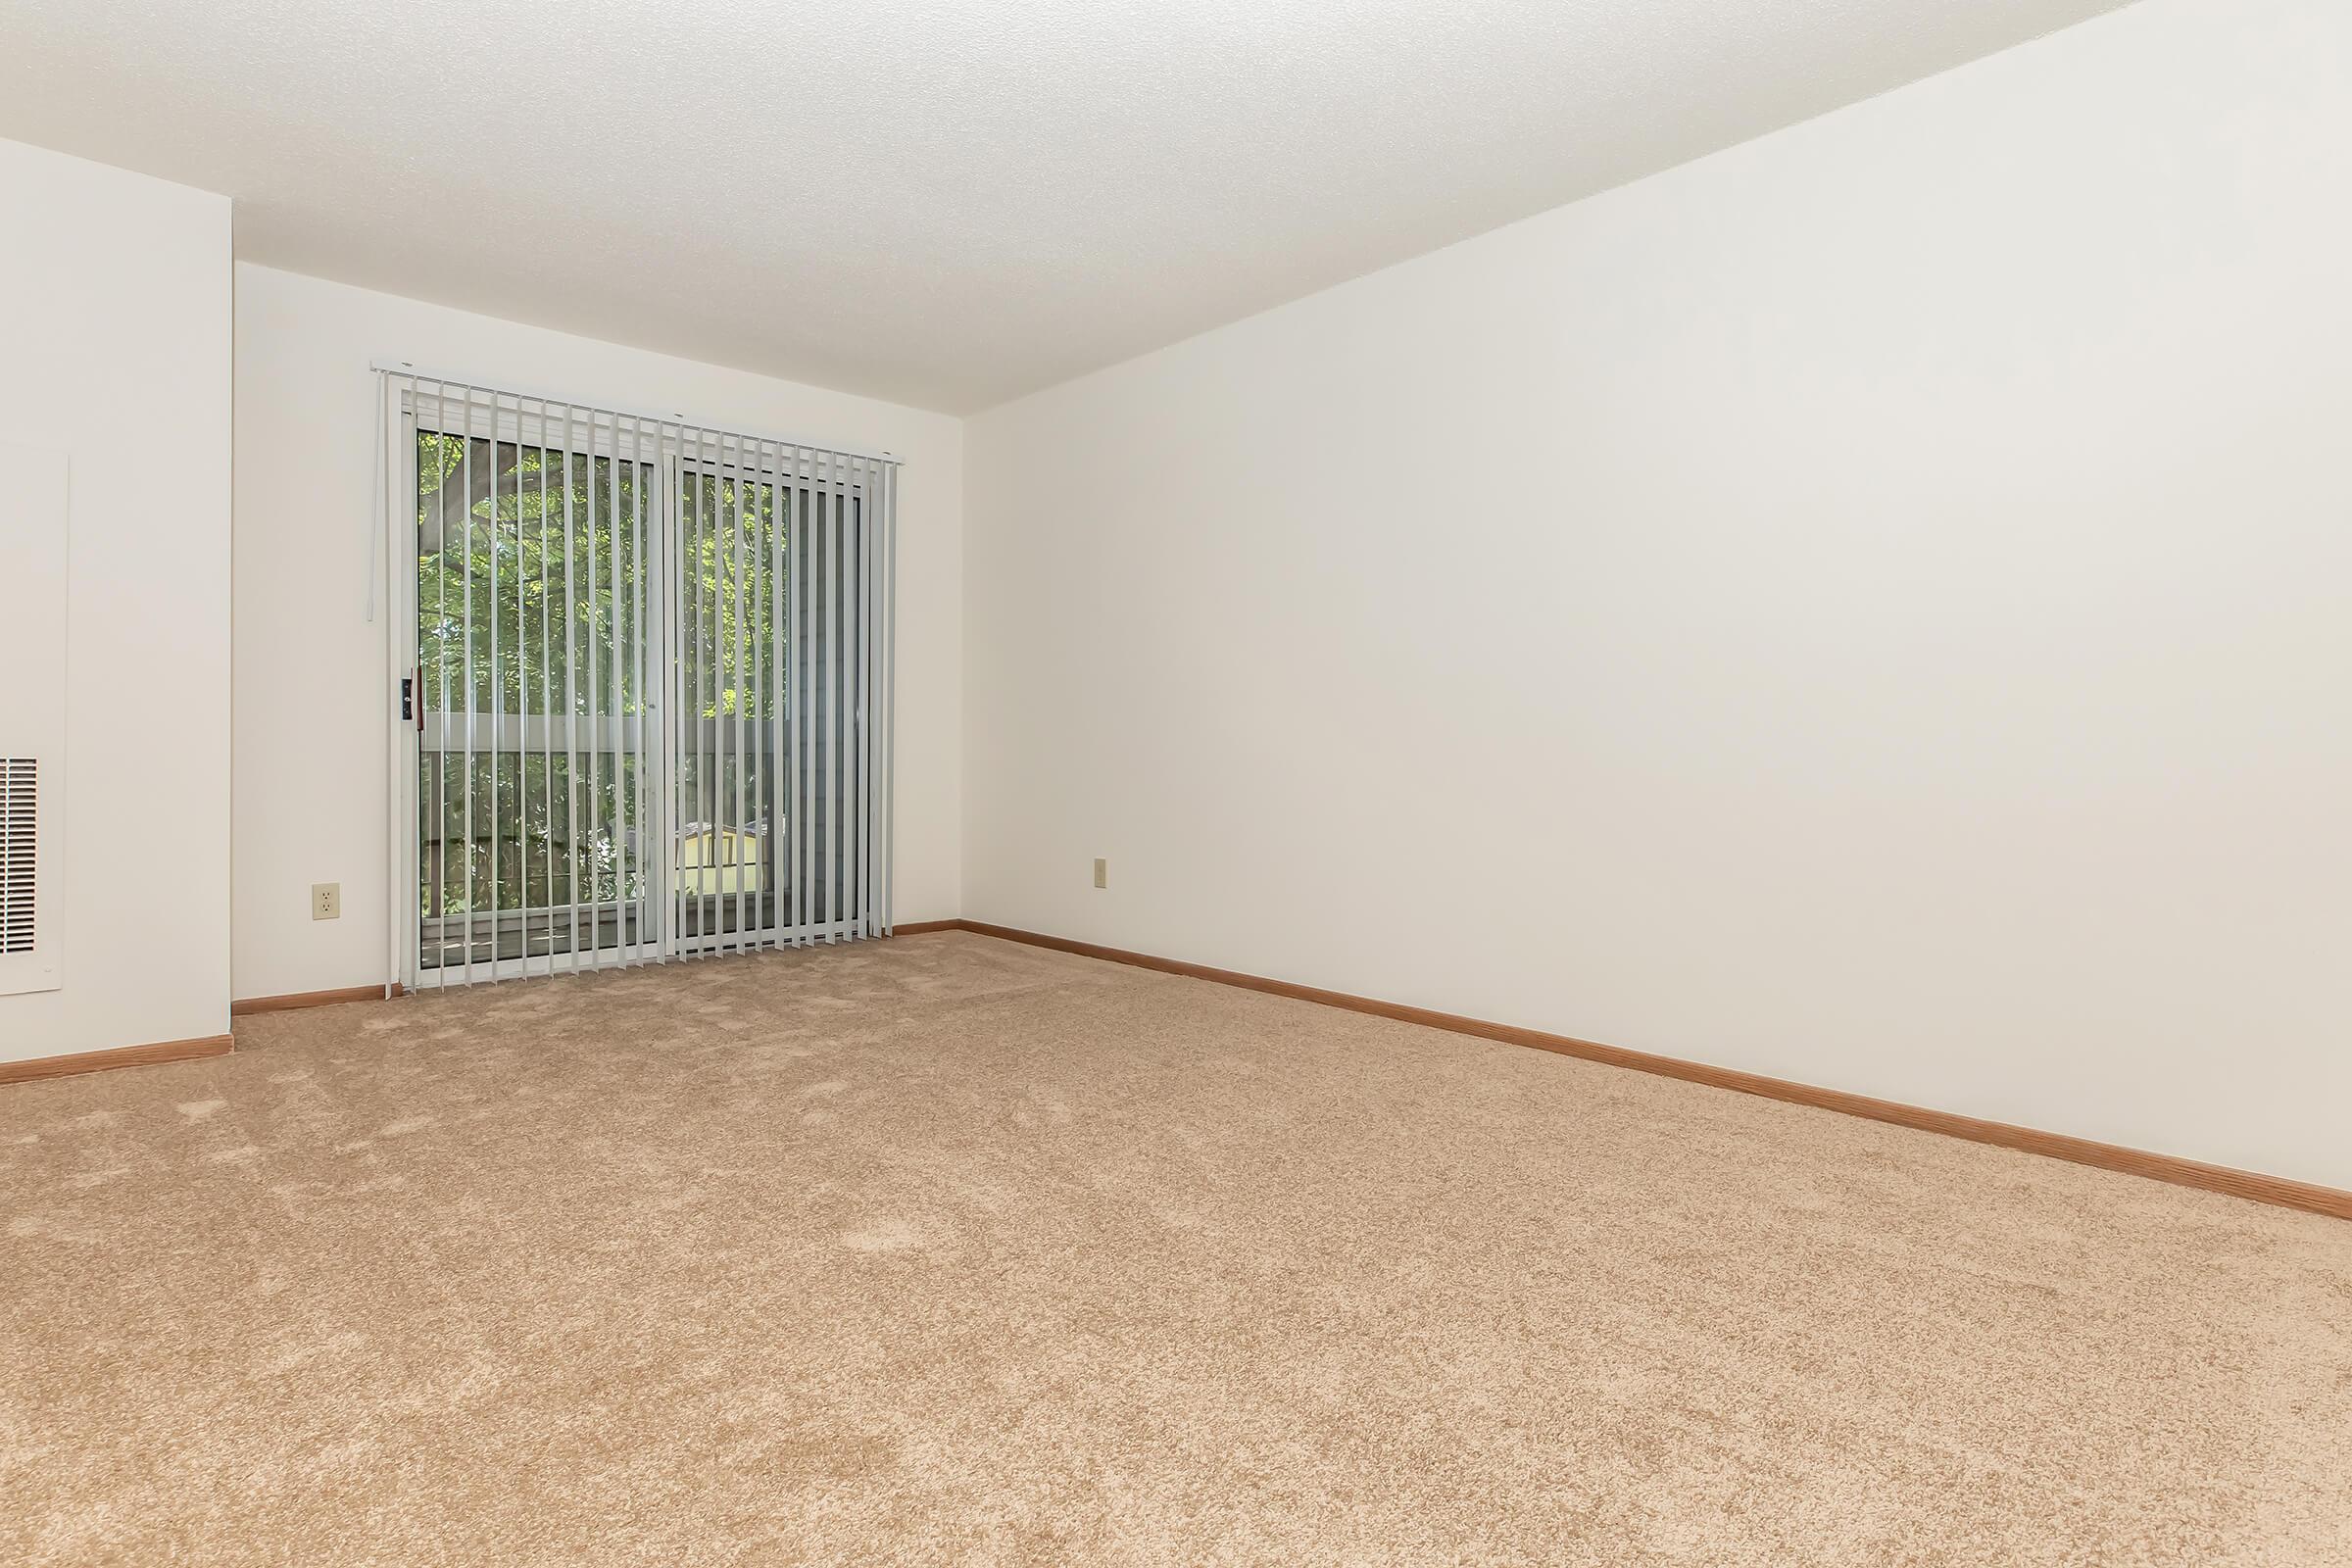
[[407, 372]]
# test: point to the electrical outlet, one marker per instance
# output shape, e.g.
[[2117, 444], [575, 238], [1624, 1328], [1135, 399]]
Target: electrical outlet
[[1102, 874], [326, 901]]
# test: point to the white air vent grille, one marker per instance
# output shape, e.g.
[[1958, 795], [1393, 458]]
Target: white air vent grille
[[19, 861]]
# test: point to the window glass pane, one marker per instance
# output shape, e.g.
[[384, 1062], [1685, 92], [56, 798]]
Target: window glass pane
[[528, 637]]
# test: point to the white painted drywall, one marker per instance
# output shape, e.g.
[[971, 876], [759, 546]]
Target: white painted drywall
[[115, 348], [310, 674], [1873, 606]]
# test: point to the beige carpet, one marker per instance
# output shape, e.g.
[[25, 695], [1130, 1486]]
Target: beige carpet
[[947, 1250]]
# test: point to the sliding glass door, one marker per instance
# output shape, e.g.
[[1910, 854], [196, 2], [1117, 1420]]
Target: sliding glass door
[[531, 631], [646, 691]]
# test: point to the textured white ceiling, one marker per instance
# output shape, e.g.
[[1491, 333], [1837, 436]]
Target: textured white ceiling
[[942, 202]]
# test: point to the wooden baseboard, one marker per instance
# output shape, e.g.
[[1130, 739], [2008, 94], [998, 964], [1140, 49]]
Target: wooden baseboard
[[2180, 1172], [309, 999], [915, 928], [162, 1051]]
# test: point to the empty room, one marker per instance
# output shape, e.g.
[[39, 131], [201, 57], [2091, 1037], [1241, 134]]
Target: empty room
[[1056, 783]]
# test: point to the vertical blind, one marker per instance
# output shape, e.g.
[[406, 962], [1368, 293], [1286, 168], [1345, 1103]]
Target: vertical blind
[[645, 668]]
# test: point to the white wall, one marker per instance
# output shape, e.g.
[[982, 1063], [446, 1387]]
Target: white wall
[[115, 348], [1873, 606], [311, 675]]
